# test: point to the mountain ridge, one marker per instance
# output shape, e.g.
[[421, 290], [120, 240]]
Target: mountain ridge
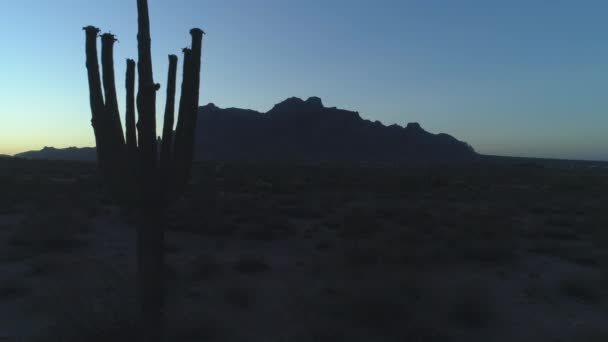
[[52, 153], [300, 130]]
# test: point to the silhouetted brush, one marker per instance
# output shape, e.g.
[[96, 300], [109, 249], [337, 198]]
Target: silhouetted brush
[[131, 167]]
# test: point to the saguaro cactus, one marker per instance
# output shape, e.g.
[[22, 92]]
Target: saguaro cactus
[[130, 166]]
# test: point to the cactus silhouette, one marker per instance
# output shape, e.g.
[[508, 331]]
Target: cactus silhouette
[[135, 174]]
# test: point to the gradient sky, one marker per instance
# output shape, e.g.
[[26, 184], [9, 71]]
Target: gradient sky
[[517, 77]]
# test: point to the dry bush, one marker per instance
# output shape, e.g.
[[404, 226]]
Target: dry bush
[[358, 256], [471, 306], [239, 297], [581, 287], [206, 266], [13, 287], [99, 307], [49, 232], [360, 222], [251, 264]]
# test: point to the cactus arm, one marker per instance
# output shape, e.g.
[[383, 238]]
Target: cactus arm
[[130, 115], [192, 113], [180, 150], [109, 86], [95, 93], [167, 140]]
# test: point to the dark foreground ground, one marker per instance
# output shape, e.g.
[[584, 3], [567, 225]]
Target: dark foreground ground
[[496, 250]]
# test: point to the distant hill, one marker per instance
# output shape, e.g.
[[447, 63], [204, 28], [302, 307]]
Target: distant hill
[[70, 153], [308, 131], [299, 130]]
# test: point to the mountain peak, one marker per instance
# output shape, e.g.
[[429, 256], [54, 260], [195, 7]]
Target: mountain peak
[[315, 102], [211, 107], [296, 104], [413, 126]]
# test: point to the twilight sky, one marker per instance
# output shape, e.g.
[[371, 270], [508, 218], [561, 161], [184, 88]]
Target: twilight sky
[[517, 77]]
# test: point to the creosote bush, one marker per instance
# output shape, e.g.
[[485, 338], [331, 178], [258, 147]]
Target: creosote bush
[[49, 232]]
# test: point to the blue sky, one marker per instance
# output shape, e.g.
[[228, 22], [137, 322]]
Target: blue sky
[[525, 78]]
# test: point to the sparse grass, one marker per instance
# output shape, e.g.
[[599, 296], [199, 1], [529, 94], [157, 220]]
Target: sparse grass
[[548, 247], [13, 288], [583, 255], [95, 310], [399, 218], [360, 222], [206, 266], [194, 325], [272, 228], [419, 217], [303, 210], [535, 291], [324, 245], [598, 333], [560, 221], [493, 252], [45, 265], [239, 297], [377, 313], [332, 221], [251, 264], [580, 287], [471, 307], [361, 256], [172, 247], [53, 232]]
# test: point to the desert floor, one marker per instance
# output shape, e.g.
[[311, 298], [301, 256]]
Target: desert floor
[[495, 250]]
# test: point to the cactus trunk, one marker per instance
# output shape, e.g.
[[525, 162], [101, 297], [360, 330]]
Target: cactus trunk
[[129, 162]]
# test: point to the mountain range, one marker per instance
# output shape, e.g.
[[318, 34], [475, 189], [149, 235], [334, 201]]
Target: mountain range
[[301, 130], [70, 153]]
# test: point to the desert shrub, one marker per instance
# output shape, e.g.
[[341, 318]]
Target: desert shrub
[[578, 254], [100, 307], [194, 326], [389, 211], [305, 210], [251, 264], [487, 251], [239, 297], [45, 265], [259, 232], [378, 313], [271, 228], [581, 287], [221, 229], [560, 221], [471, 306], [359, 222], [171, 247], [555, 232], [324, 245], [206, 266], [332, 221], [13, 288], [361, 256], [51, 232], [592, 333], [418, 217]]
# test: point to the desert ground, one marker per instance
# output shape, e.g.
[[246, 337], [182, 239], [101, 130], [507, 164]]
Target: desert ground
[[491, 250]]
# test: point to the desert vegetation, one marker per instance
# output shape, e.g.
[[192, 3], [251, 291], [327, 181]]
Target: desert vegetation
[[315, 252]]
